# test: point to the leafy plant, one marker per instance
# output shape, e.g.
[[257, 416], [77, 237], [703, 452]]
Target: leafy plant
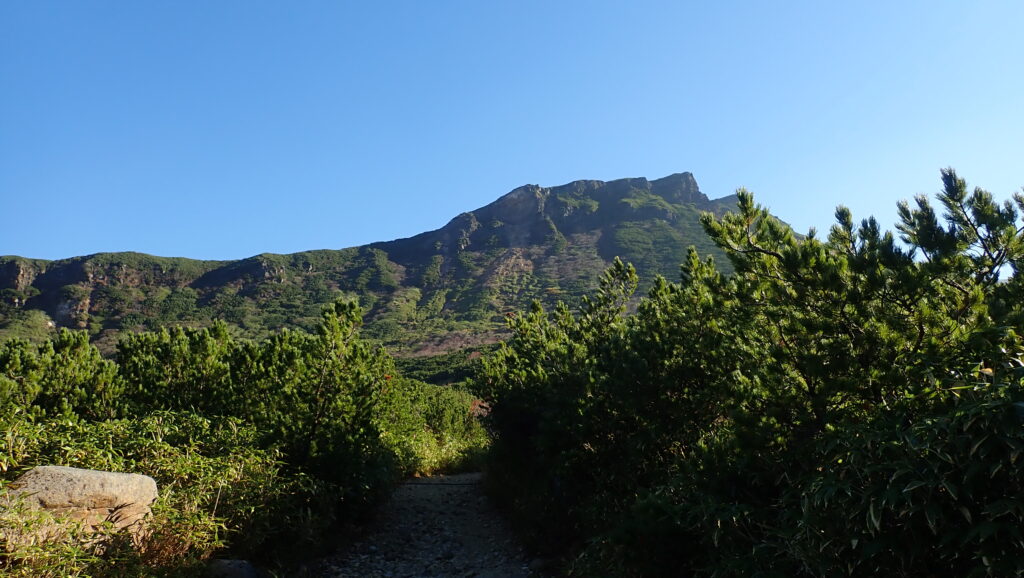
[[729, 425], [257, 447]]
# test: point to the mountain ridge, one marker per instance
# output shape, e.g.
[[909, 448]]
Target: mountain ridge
[[425, 293]]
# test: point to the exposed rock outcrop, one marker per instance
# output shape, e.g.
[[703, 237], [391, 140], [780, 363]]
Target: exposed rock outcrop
[[88, 496], [18, 274]]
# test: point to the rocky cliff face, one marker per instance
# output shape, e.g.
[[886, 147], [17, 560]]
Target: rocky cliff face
[[546, 243], [19, 274]]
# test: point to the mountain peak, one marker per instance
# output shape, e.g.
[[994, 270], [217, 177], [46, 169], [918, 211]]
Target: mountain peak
[[530, 200], [679, 188]]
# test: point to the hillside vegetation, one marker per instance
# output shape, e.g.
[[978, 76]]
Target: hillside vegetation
[[433, 293], [842, 406], [846, 406], [259, 448]]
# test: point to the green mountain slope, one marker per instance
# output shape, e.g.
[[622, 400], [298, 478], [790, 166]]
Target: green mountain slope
[[437, 291]]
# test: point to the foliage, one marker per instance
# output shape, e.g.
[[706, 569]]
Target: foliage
[[575, 200], [179, 369], [62, 377], [939, 495], [32, 324], [443, 369], [216, 487], [730, 425], [314, 396], [22, 555], [257, 447], [432, 428]]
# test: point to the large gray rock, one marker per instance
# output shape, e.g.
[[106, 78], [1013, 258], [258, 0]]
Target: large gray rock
[[89, 496]]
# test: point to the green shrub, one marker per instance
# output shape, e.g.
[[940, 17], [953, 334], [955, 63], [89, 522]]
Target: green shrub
[[218, 492], [941, 492], [730, 426], [65, 376], [258, 448]]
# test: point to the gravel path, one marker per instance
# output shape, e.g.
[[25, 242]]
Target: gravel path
[[435, 527]]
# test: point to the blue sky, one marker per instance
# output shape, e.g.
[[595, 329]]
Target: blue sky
[[224, 129]]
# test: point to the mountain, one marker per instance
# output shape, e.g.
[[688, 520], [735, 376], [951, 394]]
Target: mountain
[[437, 291]]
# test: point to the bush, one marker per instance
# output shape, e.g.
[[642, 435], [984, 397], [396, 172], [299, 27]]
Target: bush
[[63, 377], [433, 429], [730, 425], [218, 493], [939, 494], [257, 448]]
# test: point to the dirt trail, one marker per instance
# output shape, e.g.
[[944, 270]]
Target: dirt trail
[[435, 527]]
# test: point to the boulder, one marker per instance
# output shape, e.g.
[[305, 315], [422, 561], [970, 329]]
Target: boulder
[[88, 496]]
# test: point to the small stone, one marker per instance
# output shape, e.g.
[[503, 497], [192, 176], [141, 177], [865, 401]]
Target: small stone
[[231, 569]]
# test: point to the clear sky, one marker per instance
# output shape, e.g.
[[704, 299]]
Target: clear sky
[[222, 129]]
